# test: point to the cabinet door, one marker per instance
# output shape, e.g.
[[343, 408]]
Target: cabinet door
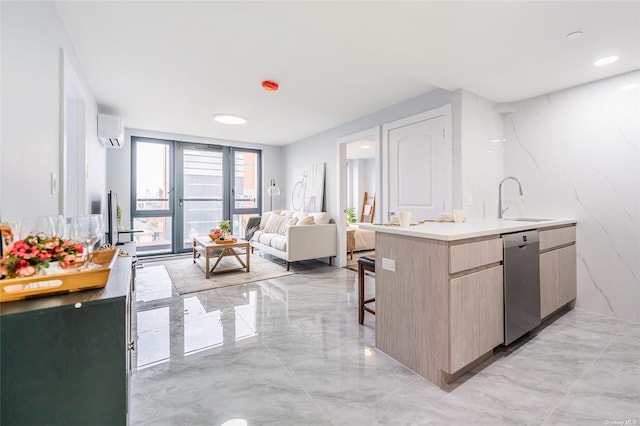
[[65, 366], [476, 316], [557, 279]]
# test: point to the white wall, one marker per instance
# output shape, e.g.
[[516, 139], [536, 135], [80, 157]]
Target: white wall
[[32, 36], [577, 154], [119, 166], [321, 148], [362, 179], [479, 137]]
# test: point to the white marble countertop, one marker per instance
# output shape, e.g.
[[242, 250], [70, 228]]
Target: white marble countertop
[[471, 228]]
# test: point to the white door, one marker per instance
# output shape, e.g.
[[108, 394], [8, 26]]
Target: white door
[[419, 164]]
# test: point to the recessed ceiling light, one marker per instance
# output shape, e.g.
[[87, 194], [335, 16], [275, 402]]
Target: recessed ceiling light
[[365, 146], [605, 61], [574, 35], [629, 86], [229, 119]]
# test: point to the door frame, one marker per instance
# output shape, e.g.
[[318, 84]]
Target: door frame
[[444, 111], [341, 143], [179, 147], [72, 187]]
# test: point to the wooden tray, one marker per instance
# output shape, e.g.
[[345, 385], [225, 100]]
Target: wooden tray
[[41, 285], [231, 241]]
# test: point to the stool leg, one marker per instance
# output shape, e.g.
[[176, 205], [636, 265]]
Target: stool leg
[[360, 293]]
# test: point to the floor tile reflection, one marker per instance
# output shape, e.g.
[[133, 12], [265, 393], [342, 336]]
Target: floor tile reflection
[[290, 351]]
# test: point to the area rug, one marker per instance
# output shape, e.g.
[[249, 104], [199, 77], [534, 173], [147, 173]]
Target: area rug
[[188, 277]]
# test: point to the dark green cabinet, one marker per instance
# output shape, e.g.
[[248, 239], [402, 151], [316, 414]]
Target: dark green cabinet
[[64, 358]]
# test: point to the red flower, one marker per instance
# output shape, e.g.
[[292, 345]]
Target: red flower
[[25, 257], [27, 271]]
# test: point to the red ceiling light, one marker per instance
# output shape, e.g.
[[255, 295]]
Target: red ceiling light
[[270, 86]]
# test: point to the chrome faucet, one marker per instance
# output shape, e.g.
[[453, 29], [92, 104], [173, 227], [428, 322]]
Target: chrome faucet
[[500, 210]]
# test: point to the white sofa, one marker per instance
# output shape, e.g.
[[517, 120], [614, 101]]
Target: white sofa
[[296, 236]]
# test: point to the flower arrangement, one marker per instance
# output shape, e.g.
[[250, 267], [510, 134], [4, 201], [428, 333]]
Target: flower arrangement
[[25, 257]]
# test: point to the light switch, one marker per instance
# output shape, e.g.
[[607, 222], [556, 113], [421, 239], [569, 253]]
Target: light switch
[[388, 264]]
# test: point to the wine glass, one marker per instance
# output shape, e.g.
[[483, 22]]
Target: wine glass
[[87, 230], [59, 226], [48, 225]]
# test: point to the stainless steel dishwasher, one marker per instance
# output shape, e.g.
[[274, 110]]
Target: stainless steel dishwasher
[[521, 284]]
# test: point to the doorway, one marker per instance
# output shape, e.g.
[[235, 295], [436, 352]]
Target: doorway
[[360, 171], [180, 190]]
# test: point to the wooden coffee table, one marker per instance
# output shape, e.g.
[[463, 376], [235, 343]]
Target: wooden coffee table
[[204, 246]]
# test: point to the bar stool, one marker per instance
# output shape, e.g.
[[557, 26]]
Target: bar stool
[[364, 264]]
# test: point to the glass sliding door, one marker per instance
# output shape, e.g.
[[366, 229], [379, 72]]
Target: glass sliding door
[[201, 197], [246, 188], [152, 198], [184, 189]]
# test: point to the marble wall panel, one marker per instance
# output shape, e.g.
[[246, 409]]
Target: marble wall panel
[[577, 154], [481, 144]]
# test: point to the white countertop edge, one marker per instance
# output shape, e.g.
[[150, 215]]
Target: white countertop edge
[[472, 228]]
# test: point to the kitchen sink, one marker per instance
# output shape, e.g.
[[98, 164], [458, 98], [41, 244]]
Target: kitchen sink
[[528, 219]]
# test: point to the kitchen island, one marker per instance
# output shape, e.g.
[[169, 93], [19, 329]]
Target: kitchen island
[[439, 289]]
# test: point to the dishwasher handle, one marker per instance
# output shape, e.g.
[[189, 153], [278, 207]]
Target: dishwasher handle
[[520, 239]]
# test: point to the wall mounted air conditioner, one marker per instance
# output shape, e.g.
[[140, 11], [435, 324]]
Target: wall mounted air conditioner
[[110, 131]]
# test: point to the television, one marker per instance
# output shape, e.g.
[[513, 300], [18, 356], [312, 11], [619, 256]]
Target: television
[[112, 218]]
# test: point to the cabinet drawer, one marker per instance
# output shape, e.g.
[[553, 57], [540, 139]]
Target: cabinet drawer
[[557, 237], [471, 255]]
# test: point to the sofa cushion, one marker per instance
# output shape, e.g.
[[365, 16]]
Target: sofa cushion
[[279, 242], [277, 224], [306, 221], [256, 235], [287, 213], [320, 218], [265, 238]]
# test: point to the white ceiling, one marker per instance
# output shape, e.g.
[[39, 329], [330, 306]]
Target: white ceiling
[[171, 65], [363, 149]]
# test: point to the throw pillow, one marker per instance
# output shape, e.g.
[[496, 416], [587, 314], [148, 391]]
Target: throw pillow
[[265, 218], [300, 215], [308, 220], [277, 224], [321, 218]]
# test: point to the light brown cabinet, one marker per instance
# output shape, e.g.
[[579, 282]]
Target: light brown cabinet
[[441, 305], [558, 280], [476, 316]]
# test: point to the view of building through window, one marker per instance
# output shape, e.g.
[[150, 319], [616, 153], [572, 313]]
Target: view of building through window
[[205, 193]]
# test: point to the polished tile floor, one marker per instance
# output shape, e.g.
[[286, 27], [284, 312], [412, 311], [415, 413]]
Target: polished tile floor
[[290, 351]]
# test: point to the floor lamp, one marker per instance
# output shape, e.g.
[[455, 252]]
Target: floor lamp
[[273, 191]]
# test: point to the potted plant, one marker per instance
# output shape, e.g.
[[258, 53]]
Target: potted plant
[[351, 215], [224, 226]]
